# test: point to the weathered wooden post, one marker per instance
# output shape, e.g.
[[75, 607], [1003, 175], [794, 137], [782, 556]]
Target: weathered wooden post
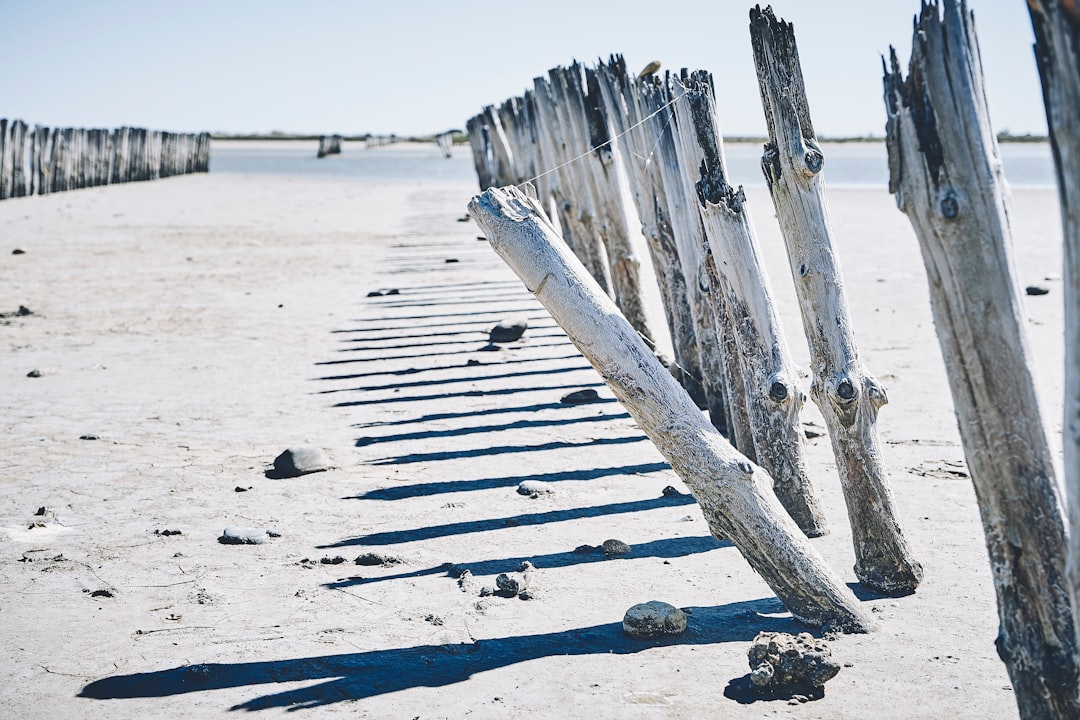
[[735, 495], [946, 174], [445, 141], [843, 389], [19, 177], [329, 145], [688, 233], [5, 164], [1057, 51], [737, 274], [621, 103]]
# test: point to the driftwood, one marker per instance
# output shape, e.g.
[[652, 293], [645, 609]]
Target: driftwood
[[328, 145], [847, 395], [1057, 50], [946, 174], [445, 141], [737, 274], [735, 495]]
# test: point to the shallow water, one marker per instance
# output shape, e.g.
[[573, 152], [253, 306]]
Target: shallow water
[[847, 165]]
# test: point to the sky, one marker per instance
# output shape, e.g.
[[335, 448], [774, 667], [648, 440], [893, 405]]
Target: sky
[[421, 66]]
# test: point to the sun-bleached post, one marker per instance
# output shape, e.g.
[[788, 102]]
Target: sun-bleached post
[[843, 389], [1057, 51], [735, 495], [945, 172], [737, 274]]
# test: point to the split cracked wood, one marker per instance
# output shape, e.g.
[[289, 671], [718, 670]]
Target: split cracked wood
[[1057, 50], [735, 495], [737, 275], [946, 174], [847, 395]]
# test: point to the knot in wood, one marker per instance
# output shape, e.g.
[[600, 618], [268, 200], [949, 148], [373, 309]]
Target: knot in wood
[[778, 392], [845, 390], [746, 467], [814, 161], [950, 207]]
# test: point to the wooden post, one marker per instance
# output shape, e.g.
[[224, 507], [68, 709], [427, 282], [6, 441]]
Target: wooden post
[[1057, 51], [19, 178], [843, 389], [735, 495], [622, 106], [445, 141], [946, 174], [737, 274], [6, 153], [688, 233]]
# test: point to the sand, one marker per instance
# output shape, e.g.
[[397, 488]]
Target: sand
[[196, 327]]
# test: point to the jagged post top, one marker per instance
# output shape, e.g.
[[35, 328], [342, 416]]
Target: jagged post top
[[792, 141]]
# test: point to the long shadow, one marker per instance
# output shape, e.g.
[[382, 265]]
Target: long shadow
[[666, 548], [469, 341], [563, 343], [393, 537], [500, 450], [441, 302], [401, 492], [426, 335], [452, 380], [480, 429], [354, 676], [500, 311], [455, 366], [472, 413], [488, 322], [465, 393]]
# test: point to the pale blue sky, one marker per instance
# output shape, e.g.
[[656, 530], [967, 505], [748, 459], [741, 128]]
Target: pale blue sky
[[424, 66]]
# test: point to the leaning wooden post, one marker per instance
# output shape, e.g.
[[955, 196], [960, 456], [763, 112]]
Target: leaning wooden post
[[843, 389], [5, 164], [737, 274], [1057, 50], [735, 495], [946, 174]]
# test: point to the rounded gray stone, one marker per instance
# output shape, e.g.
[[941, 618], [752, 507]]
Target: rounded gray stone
[[654, 619], [533, 488], [300, 460], [508, 330], [615, 547]]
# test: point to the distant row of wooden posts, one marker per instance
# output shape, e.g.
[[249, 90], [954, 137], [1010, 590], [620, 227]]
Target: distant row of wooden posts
[[41, 160]]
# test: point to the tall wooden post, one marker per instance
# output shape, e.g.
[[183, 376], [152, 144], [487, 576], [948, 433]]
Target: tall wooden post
[[737, 274], [946, 174], [846, 393], [735, 495]]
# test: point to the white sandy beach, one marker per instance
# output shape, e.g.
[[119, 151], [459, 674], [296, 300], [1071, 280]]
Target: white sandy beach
[[198, 326]]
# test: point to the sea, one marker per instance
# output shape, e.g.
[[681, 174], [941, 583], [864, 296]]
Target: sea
[[861, 165]]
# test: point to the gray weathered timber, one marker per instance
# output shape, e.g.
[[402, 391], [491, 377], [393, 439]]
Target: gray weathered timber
[[6, 152], [735, 495], [843, 389], [328, 145], [1057, 51], [737, 274], [688, 233], [945, 172], [622, 105]]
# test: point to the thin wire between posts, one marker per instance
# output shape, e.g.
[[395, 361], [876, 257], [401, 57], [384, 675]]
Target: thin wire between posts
[[607, 142]]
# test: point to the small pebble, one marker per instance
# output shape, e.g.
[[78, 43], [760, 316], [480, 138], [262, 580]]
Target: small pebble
[[614, 547], [507, 584], [168, 533], [371, 558], [89, 436], [18, 251], [241, 489], [23, 311], [336, 560], [300, 460], [1036, 290], [508, 330], [535, 488], [243, 536], [34, 374], [452, 260], [580, 397], [585, 549], [654, 619], [670, 491]]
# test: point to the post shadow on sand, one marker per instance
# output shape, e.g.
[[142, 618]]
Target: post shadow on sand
[[463, 393], [413, 326], [501, 450], [355, 676], [460, 379], [394, 537], [437, 368], [501, 410], [676, 547], [480, 429], [479, 348], [356, 345], [401, 492]]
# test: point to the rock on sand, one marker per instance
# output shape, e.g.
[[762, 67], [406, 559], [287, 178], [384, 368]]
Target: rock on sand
[[300, 460], [508, 330], [654, 619]]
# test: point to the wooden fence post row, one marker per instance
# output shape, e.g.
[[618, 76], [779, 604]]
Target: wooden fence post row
[[43, 160], [329, 145], [611, 154]]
